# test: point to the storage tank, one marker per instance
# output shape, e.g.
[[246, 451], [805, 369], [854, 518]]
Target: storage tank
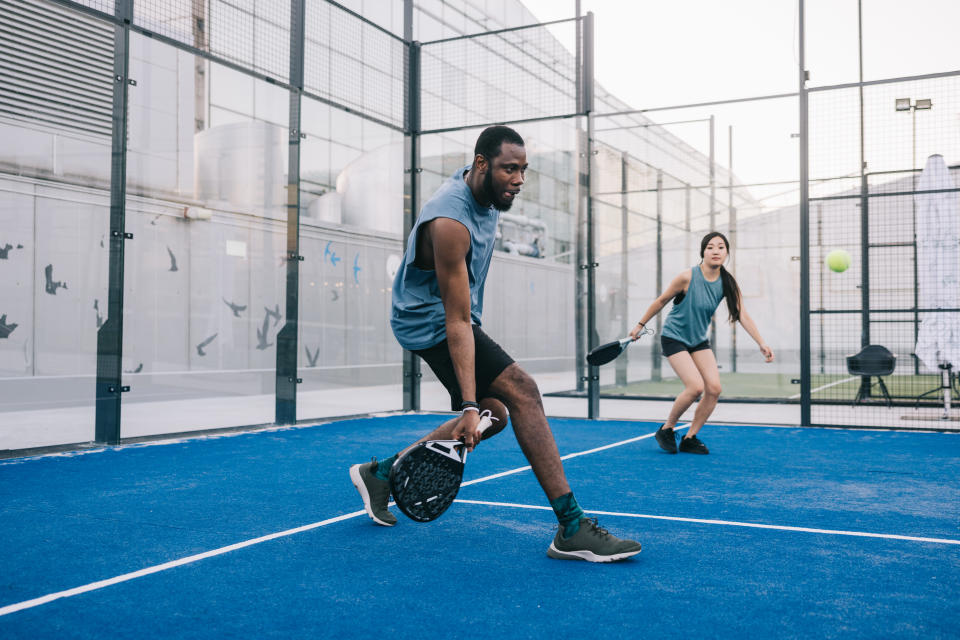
[[242, 164], [371, 190]]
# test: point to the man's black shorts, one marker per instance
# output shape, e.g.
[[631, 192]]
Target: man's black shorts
[[489, 362], [671, 346]]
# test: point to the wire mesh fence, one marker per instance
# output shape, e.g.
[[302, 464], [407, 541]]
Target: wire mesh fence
[[502, 76], [354, 63], [673, 176], [884, 273], [254, 35], [883, 161]]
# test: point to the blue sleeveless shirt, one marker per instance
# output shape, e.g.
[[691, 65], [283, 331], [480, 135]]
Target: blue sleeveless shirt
[[418, 319], [689, 321]]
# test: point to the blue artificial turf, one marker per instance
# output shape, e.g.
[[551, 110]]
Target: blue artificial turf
[[481, 570]]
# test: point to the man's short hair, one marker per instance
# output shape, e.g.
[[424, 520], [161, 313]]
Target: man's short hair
[[492, 138]]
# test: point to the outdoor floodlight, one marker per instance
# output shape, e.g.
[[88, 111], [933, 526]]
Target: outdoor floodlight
[[924, 103], [903, 104]]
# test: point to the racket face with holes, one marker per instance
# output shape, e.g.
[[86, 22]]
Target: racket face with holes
[[425, 480]]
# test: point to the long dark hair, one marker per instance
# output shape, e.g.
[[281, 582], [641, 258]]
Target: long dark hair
[[730, 289]]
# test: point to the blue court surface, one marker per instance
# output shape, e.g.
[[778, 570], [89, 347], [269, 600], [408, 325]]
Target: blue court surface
[[780, 532]]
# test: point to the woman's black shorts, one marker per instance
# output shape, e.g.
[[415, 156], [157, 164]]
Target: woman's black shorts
[[489, 362], [671, 346]]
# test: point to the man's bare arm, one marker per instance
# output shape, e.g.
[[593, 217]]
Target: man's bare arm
[[451, 243]]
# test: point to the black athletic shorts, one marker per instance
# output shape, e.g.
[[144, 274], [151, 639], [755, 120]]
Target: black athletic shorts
[[671, 346], [489, 362]]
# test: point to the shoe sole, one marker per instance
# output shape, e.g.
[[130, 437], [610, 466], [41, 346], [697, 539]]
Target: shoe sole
[[365, 495], [588, 556], [699, 453]]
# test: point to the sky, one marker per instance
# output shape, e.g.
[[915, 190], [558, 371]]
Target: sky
[[661, 53]]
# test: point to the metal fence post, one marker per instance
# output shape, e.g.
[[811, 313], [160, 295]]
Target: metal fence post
[[804, 226], [625, 323], [287, 338], [593, 373], [411, 195], [110, 335]]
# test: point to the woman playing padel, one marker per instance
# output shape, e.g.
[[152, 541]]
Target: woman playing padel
[[696, 294]]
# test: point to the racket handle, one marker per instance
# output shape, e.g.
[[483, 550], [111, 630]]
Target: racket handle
[[486, 421]]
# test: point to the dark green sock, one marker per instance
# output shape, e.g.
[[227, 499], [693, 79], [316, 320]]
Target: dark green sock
[[383, 468], [568, 513]]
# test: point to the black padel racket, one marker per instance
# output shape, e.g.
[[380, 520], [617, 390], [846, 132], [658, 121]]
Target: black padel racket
[[607, 352], [425, 479]]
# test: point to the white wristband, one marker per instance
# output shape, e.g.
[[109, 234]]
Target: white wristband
[[465, 409]]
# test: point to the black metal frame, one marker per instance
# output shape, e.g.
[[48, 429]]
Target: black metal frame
[[287, 339], [110, 335], [411, 362], [109, 384]]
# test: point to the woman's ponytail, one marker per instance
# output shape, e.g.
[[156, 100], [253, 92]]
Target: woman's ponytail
[[731, 291]]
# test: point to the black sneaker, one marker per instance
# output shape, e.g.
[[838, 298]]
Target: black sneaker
[[592, 543], [667, 439], [692, 444]]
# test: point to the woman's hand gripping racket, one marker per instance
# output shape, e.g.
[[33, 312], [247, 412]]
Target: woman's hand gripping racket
[[425, 479], [607, 352]]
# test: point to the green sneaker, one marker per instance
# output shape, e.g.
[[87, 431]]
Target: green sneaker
[[374, 491], [592, 543]]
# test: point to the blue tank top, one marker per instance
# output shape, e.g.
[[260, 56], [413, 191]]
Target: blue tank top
[[418, 319], [689, 321]]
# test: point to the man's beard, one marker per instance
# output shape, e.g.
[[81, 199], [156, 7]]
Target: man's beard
[[491, 196]]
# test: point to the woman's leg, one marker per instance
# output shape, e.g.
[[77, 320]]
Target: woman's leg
[[687, 371], [706, 365]]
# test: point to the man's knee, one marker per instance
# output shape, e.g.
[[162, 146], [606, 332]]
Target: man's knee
[[516, 385], [498, 414]]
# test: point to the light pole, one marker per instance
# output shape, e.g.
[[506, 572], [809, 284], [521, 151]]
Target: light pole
[[905, 104], [922, 104]]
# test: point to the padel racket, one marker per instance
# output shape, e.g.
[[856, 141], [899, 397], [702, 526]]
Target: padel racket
[[425, 479], [607, 352]]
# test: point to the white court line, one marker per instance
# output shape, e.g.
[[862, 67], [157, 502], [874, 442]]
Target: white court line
[[826, 386], [568, 456], [93, 586], [729, 523]]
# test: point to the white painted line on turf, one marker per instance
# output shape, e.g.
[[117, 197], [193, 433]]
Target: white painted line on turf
[[826, 386], [728, 523], [568, 456], [93, 586]]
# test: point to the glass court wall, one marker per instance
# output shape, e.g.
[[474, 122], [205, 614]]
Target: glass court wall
[[234, 176], [231, 131], [56, 86]]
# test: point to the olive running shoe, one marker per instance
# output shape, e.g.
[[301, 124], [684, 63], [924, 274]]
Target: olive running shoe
[[692, 444], [592, 543], [374, 491], [667, 439]]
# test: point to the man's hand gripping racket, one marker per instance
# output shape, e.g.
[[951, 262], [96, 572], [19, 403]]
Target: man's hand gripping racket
[[607, 352], [425, 479]]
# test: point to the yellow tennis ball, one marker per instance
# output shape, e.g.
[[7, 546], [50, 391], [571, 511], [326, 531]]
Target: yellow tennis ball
[[838, 260]]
